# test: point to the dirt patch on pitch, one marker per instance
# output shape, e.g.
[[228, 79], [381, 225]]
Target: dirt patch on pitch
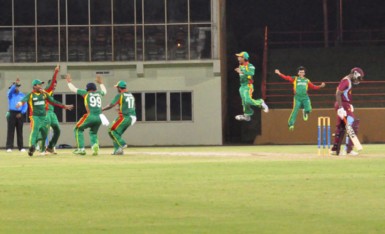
[[260, 155]]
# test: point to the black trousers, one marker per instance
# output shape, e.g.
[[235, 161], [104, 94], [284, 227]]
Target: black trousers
[[15, 123]]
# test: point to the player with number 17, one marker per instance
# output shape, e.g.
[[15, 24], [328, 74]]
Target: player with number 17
[[126, 118], [91, 119]]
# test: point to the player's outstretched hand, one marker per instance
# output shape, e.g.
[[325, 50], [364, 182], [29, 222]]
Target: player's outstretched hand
[[322, 84], [57, 68], [68, 78], [276, 71], [99, 79], [68, 107]]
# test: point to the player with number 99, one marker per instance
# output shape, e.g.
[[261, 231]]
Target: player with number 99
[[91, 119]]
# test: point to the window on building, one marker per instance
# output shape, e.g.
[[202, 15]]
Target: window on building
[[200, 41], [24, 12], [47, 12], [59, 111], [154, 42], [100, 11], [180, 106], [5, 12], [47, 44], [200, 10], [138, 105], [77, 12], [124, 11], [105, 30], [124, 41], [177, 42], [155, 107], [101, 46], [25, 45], [78, 44], [177, 11], [153, 11], [158, 106]]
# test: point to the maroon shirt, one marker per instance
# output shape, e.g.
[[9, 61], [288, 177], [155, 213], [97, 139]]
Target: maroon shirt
[[345, 86]]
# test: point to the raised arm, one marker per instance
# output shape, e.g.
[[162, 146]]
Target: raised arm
[[53, 80], [288, 78], [100, 82], [70, 85], [13, 87]]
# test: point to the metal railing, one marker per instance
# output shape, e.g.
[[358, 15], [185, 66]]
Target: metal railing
[[366, 94]]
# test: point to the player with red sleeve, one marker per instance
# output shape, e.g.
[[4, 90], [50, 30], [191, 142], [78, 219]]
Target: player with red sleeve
[[51, 119], [301, 98], [345, 109]]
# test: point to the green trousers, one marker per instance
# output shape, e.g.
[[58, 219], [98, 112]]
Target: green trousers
[[91, 121], [118, 127], [298, 103], [246, 92], [51, 121], [37, 124]]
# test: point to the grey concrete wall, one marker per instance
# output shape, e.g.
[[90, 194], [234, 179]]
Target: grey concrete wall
[[197, 77]]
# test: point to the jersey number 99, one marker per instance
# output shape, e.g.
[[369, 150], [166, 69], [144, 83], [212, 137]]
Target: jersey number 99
[[95, 102]]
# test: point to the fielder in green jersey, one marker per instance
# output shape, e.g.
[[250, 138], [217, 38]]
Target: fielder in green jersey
[[51, 120], [37, 111], [301, 98], [246, 72], [92, 120], [126, 118]]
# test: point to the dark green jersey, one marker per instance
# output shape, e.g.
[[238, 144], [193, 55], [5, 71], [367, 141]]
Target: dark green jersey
[[37, 103], [92, 100], [126, 102], [247, 71]]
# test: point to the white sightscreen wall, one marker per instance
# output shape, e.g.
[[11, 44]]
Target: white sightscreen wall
[[198, 78]]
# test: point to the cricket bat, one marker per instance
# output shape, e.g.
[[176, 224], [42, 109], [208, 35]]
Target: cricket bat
[[352, 135]]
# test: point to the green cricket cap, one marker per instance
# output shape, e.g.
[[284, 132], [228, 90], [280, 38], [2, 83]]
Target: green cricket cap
[[243, 54], [37, 82], [121, 84]]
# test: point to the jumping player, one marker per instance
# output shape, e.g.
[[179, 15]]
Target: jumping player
[[51, 118], [93, 105], [126, 118], [37, 106], [246, 72], [301, 97], [345, 109]]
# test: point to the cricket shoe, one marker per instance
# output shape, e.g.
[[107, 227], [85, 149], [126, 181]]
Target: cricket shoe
[[31, 150], [333, 152], [9, 150], [95, 149], [50, 150], [291, 128], [117, 152], [305, 115], [79, 152], [242, 118], [265, 108], [351, 153]]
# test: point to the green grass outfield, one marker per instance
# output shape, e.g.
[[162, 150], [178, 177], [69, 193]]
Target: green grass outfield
[[249, 189]]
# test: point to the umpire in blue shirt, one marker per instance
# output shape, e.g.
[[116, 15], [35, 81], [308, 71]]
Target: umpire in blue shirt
[[15, 117]]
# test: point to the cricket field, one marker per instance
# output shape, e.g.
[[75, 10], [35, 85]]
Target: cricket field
[[218, 189]]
